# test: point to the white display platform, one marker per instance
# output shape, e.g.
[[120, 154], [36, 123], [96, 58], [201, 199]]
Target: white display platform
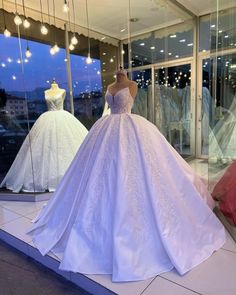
[[214, 276], [24, 197]]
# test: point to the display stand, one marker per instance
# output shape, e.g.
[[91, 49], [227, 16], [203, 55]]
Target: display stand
[[6, 195]]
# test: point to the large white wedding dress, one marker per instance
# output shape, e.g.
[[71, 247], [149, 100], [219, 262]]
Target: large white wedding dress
[[128, 205], [47, 151]]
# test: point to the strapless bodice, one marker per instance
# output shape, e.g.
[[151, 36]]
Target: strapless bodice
[[55, 102], [121, 102]]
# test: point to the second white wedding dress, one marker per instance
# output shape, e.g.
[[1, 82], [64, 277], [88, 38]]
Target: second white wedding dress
[[129, 205], [47, 150]]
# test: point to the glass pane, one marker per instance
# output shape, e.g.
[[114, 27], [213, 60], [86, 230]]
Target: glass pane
[[142, 104], [87, 89], [13, 103], [172, 105], [208, 104]]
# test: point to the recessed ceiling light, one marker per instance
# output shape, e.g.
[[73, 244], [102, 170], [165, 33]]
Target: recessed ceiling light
[[182, 40], [104, 53], [177, 56], [172, 36], [220, 31], [169, 53], [142, 44], [103, 38], [122, 30], [152, 47], [213, 26], [190, 44], [226, 36], [161, 50]]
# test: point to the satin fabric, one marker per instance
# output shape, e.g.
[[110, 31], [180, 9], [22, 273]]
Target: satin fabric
[[128, 205]]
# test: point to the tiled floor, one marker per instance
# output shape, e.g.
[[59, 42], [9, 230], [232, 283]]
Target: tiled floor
[[216, 276]]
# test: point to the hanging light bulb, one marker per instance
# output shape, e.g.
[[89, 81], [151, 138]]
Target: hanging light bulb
[[28, 53], [56, 48], [52, 50], [17, 20], [71, 47], [74, 40], [44, 29], [26, 23], [65, 7], [89, 59], [7, 33]]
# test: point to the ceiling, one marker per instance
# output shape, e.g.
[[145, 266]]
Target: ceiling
[[111, 17]]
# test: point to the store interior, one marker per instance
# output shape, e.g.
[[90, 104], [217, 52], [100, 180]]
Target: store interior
[[182, 54]]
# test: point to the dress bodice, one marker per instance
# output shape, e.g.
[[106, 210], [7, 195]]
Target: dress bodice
[[55, 100], [121, 102]]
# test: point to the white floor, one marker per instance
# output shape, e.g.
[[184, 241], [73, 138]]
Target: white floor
[[216, 276]]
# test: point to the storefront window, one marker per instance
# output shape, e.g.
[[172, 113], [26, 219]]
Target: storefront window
[[13, 103]]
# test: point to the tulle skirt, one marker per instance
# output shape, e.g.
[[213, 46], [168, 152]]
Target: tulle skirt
[[46, 153]]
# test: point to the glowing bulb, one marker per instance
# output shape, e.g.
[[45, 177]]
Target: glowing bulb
[[65, 7], [74, 40], [89, 60], [9, 59], [71, 47], [56, 48], [43, 30], [26, 23], [111, 60], [17, 20], [18, 61], [3, 65], [28, 52], [26, 60], [52, 50], [7, 33], [13, 77]]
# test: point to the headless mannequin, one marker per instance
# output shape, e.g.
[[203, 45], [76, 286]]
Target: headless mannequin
[[121, 82], [54, 90]]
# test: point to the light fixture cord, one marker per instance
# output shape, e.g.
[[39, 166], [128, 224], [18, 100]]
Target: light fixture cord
[[88, 26], [3, 13], [41, 7], [48, 12], [73, 6], [16, 6], [23, 4], [54, 17]]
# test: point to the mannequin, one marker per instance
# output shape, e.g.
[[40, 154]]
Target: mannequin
[[121, 82], [48, 149]]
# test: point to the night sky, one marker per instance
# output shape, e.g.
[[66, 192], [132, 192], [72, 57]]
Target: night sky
[[41, 68]]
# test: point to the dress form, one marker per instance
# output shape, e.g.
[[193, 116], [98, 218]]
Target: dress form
[[122, 81], [54, 90]]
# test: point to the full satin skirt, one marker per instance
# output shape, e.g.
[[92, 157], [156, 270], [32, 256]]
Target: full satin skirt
[[128, 206], [46, 153]]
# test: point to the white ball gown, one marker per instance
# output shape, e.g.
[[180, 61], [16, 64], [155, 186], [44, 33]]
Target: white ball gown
[[128, 205], [47, 151]]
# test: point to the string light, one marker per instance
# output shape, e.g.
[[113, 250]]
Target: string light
[[71, 47], [43, 28], [6, 32], [28, 53], [17, 19], [88, 59], [26, 23], [65, 6], [74, 40]]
